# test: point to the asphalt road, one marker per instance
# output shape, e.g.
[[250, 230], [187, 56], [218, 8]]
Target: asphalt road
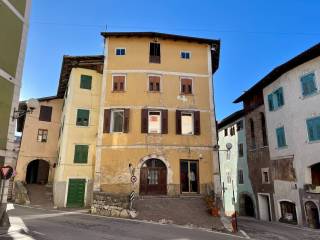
[[30, 223]]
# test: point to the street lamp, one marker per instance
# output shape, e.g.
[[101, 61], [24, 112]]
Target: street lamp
[[31, 104]]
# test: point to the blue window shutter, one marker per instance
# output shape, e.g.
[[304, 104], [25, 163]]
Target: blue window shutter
[[270, 101], [280, 97], [308, 84], [313, 126], [310, 130], [281, 138]]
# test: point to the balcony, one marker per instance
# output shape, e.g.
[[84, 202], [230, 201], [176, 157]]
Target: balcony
[[310, 188]]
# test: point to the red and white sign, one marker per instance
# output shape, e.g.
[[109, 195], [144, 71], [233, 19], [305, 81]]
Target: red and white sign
[[6, 172], [133, 179]]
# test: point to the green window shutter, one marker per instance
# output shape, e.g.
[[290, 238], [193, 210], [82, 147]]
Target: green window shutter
[[308, 84], [81, 153], [270, 101], [313, 126], [83, 117], [281, 138], [85, 82], [280, 97]]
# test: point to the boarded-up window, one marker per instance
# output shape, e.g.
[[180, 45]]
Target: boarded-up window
[[154, 53], [187, 123], [183, 121], [81, 154], [42, 135], [154, 83], [83, 117], [118, 83], [186, 85], [85, 82], [45, 113], [154, 122]]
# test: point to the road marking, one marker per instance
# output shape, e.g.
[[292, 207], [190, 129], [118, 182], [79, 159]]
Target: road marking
[[39, 233], [245, 234]]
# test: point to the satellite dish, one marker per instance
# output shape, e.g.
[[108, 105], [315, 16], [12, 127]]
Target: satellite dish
[[229, 146]]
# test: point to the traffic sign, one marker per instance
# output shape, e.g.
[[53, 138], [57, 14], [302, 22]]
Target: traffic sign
[[6, 172], [133, 179]]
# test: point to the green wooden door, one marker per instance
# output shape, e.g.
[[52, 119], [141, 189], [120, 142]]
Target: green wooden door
[[76, 192]]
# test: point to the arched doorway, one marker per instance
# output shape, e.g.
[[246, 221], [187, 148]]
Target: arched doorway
[[153, 177], [288, 212], [37, 172], [312, 215], [246, 206]]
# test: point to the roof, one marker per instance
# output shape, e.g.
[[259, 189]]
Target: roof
[[215, 44], [94, 62], [303, 57], [231, 118]]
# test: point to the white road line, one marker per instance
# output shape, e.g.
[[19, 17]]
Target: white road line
[[245, 234], [39, 233]]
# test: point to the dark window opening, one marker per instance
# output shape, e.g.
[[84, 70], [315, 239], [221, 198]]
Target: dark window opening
[[45, 113], [263, 129], [186, 85], [154, 53], [253, 137], [315, 174]]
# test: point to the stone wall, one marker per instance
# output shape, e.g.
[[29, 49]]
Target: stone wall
[[111, 205]]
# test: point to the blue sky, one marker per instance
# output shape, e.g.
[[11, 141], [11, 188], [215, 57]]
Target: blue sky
[[256, 36]]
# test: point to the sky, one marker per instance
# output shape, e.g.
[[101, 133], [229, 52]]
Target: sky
[[256, 36]]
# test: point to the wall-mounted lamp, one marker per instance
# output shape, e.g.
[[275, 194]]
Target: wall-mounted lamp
[[31, 104]]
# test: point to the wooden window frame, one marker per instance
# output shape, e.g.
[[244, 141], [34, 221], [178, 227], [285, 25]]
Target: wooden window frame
[[124, 85], [43, 131], [160, 83], [120, 48], [192, 90], [112, 120], [155, 110], [153, 58]]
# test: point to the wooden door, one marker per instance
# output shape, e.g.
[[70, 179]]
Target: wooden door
[[76, 192]]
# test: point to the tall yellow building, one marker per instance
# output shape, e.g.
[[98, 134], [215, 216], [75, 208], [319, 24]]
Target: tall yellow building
[[139, 118]]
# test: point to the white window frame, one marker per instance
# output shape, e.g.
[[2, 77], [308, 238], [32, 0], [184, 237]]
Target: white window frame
[[149, 111], [112, 120], [263, 170], [183, 51], [125, 81], [119, 48], [154, 75], [192, 92], [192, 115]]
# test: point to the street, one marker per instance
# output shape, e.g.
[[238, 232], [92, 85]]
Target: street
[[31, 223]]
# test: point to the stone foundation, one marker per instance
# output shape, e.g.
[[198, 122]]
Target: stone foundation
[[111, 205]]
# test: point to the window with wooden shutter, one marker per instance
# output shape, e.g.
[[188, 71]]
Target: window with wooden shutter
[[313, 126], [45, 113], [144, 120], [154, 56], [118, 83], [164, 121], [126, 120], [154, 83], [154, 121], [85, 82], [186, 86], [196, 122], [83, 117], [308, 84], [187, 125], [117, 120], [178, 122], [81, 154], [106, 122]]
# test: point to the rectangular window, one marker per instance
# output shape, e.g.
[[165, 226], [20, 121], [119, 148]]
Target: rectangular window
[[45, 113], [186, 86], [239, 125], [265, 175], [275, 99], [240, 176], [118, 83], [83, 117], [117, 120], [240, 149], [154, 83], [308, 84], [185, 55], [313, 125], [281, 137], [226, 132], [85, 82], [154, 122], [187, 123], [42, 135], [232, 131], [120, 51], [154, 56], [81, 154]]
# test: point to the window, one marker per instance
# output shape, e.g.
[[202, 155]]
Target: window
[[275, 99], [232, 131], [226, 132], [120, 51], [85, 82], [308, 84], [118, 83], [313, 125], [281, 138], [240, 149], [154, 122], [154, 83], [45, 113], [83, 117], [187, 123], [117, 120], [239, 125], [154, 56], [81, 154], [265, 175], [186, 86], [253, 137], [228, 177], [185, 55], [240, 176], [263, 129], [42, 135]]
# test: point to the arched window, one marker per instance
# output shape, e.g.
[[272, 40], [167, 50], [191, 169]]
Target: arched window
[[253, 137], [263, 129]]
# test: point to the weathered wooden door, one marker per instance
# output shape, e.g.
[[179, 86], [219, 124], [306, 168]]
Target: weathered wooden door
[[76, 192], [153, 178]]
